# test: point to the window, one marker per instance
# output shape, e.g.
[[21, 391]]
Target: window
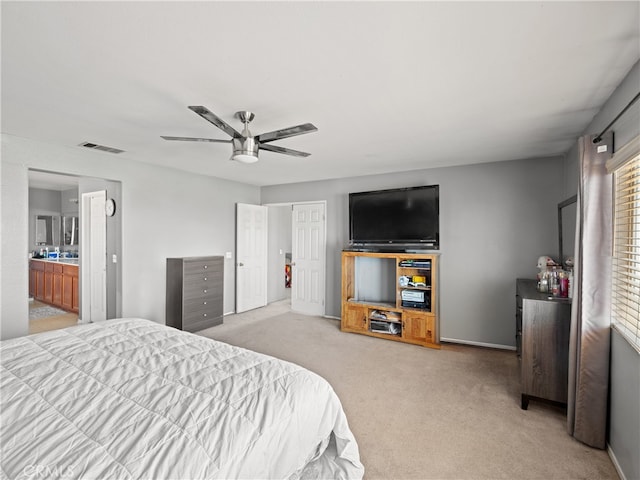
[[625, 301]]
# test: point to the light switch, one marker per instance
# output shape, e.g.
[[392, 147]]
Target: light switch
[[228, 255], [114, 258]]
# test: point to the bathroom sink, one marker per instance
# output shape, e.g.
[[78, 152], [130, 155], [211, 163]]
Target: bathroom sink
[[68, 260]]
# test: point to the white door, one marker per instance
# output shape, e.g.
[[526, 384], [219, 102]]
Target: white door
[[251, 256], [308, 259], [93, 265]]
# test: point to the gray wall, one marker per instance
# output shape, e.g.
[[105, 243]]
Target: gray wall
[[496, 219], [164, 213], [624, 414], [69, 202]]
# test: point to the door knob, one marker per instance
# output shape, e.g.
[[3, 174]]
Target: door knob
[[240, 264]]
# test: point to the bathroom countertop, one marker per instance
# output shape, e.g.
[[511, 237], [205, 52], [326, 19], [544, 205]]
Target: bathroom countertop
[[70, 261]]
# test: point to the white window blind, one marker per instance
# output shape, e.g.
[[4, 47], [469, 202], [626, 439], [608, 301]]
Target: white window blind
[[625, 301]]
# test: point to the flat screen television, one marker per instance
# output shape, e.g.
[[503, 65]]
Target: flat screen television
[[400, 218]]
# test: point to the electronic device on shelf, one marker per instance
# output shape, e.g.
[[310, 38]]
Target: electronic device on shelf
[[381, 326], [415, 299], [401, 219], [415, 263]]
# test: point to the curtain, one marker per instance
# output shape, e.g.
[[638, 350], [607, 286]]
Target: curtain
[[590, 314]]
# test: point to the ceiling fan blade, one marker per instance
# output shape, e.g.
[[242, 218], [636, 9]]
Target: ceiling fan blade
[[217, 121], [192, 139], [286, 132], [286, 151]]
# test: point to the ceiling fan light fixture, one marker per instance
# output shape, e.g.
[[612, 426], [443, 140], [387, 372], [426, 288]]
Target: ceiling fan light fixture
[[245, 150], [244, 158]]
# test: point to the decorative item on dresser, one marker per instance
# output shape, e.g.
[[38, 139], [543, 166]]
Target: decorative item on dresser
[[542, 341], [194, 292]]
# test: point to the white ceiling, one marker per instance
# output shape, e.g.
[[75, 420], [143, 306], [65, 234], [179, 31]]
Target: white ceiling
[[391, 86]]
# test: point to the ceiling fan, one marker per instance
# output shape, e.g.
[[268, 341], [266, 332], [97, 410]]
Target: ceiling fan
[[245, 145]]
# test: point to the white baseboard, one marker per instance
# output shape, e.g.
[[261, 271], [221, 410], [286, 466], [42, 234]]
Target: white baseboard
[[332, 317], [478, 344], [614, 460]]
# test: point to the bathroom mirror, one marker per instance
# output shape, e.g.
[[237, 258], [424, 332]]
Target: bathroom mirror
[[70, 230], [48, 230], [567, 214]]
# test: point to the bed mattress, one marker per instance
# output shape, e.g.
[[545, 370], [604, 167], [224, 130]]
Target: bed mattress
[[129, 399]]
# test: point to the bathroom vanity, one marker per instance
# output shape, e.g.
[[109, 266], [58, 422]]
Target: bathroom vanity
[[55, 282]]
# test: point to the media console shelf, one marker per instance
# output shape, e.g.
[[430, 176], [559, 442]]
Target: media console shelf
[[391, 296]]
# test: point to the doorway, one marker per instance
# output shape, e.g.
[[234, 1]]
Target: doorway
[[297, 255], [53, 250], [66, 190]]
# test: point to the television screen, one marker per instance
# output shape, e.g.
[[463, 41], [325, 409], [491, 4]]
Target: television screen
[[402, 216]]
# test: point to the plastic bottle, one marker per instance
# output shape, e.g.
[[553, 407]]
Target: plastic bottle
[[570, 289], [555, 284]]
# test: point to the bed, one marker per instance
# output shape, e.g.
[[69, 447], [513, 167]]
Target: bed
[[129, 399]]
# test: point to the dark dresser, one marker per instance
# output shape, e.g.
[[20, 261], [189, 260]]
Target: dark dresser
[[194, 292], [542, 340]]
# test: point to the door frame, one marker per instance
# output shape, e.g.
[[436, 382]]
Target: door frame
[[324, 241], [85, 184]]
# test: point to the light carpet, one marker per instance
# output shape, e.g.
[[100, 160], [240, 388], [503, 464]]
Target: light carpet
[[419, 413]]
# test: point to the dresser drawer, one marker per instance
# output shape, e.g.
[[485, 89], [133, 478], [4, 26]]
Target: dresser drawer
[[198, 291], [213, 301], [196, 317], [207, 278], [200, 322], [202, 265]]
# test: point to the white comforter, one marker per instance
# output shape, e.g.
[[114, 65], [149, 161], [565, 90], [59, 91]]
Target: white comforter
[[129, 398]]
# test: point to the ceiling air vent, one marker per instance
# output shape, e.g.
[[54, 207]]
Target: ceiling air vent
[[102, 148]]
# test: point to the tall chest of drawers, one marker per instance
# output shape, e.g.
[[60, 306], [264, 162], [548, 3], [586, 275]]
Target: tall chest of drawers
[[194, 292], [543, 327]]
